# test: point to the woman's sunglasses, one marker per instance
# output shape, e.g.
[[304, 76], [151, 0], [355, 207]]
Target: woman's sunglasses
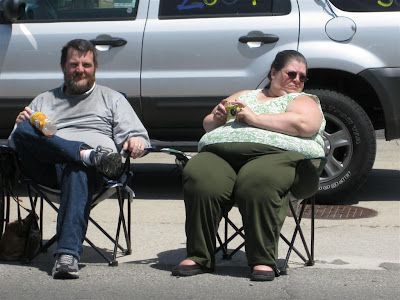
[[292, 75]]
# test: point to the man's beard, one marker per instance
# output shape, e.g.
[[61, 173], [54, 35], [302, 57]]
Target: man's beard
[[77, 87]]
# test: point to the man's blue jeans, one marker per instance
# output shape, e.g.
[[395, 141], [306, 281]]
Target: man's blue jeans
[[56, 163]]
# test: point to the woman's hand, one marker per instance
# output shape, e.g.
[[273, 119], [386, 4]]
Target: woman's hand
[[220, 112], [244, 114], [24, 115], [217, 117]]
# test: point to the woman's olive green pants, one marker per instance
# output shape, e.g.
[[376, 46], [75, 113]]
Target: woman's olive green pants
[[254, 176]]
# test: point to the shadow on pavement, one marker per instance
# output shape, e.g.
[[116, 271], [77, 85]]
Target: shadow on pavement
[[161, 181], [45, 260], [381, 185]]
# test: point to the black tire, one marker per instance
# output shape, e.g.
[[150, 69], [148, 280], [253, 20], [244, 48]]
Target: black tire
[[350, 146]]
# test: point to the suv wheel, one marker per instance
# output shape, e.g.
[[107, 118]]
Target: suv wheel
[[350, 146]]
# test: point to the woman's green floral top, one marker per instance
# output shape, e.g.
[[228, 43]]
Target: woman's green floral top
[[241, 132]]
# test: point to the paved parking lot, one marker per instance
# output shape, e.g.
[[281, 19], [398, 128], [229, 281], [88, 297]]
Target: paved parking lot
[[355, 258]]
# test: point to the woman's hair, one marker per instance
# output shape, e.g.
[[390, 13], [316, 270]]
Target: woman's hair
[[83, 46], [283, 58]]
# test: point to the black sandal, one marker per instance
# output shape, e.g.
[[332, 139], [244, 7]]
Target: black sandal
[[261, 275], [185, 271]]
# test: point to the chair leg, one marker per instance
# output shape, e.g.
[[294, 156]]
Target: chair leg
[[112, 263], [312, 262], [309, 261], [8, 203], [121, 222], [129, 205], [2, 212], [224, 245], [33, 201], [42, 248]]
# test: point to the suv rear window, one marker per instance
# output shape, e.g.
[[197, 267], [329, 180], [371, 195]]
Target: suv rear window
[[78, 10], [221, 8], [367, 5]]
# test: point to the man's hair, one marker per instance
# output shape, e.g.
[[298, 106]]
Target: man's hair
[[282, 59], [80, 45]]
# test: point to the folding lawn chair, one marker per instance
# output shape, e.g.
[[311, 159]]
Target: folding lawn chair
[[303, 191], [120, 187]]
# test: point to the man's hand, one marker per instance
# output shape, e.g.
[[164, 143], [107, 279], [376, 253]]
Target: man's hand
[[24, 115], [135, 146]]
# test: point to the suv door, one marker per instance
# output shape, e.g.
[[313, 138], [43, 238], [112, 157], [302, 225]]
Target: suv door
[[195, 53], [32, 46]]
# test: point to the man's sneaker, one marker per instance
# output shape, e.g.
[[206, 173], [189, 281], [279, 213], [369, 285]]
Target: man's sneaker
[[107, 162], [66, 267]]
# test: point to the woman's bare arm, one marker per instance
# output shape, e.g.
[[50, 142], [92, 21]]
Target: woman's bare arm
[[302, 118]]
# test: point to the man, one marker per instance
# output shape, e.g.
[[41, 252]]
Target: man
[[94, 124]]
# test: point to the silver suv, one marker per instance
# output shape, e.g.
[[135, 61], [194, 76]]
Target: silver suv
[[175, 59]]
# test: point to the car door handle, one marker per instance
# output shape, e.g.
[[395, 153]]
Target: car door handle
[[265, 38], [113, 42]]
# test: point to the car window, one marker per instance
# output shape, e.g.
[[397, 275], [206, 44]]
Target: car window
[[78, 10], [221, 8], [367, 5]]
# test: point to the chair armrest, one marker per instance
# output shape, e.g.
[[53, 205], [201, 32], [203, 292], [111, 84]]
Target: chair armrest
[[180, 156], [306, 182]]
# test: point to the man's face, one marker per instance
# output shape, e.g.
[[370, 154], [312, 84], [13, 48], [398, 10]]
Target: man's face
[[79, 72]]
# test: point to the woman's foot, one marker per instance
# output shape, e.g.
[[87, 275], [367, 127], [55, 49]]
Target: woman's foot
[[262, 273], [188, 267], [187, 262], [262, 268]]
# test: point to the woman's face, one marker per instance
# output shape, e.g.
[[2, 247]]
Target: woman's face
[[290, 79]]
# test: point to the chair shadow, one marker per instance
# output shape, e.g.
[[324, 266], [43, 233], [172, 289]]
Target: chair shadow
[[157, 181], [237, 267], [166, 260], [44, 261]]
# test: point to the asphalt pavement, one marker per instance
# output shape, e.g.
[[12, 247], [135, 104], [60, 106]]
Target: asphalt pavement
[[355, 258]]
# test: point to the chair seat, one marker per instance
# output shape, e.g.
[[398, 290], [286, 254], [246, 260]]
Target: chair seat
[[109, 190]]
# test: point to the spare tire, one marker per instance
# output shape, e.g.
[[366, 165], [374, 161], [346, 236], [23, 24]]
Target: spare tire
[[350, 146]]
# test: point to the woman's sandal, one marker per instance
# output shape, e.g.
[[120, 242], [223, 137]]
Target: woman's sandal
[[262, 275], [190, 270], [259, 275]]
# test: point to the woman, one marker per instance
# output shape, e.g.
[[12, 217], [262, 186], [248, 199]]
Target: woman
[[250, 160]]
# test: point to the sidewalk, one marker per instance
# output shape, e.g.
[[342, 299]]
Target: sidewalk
[[355, 258]]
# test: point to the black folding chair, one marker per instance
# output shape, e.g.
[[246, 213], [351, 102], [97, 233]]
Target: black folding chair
[[124, 194], [302, 191], [9, 174]]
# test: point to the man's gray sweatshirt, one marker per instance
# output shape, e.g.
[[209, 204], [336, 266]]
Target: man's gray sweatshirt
[[101, 116]]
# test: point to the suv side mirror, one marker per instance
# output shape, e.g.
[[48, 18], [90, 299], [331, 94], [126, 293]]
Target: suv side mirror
[[10, 10]]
